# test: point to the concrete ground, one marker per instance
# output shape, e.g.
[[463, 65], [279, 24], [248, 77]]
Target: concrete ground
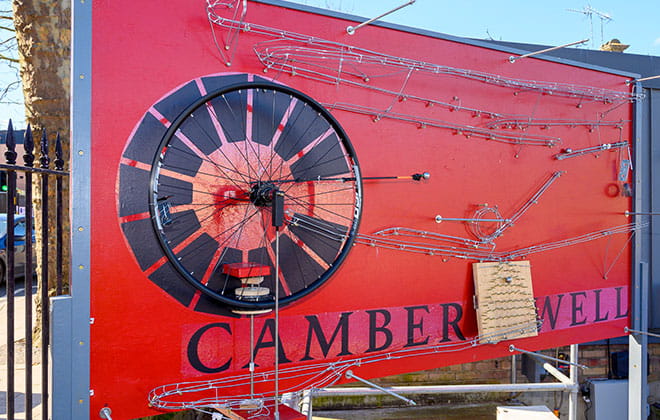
[[448, 412], [19, 357]]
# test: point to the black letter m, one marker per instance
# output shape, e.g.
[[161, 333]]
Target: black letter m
[[316, 331]]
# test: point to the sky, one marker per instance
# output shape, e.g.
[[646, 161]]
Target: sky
[[634, 22]]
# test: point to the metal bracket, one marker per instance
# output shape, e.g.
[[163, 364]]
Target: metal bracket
[[642, 79], [105, 413], [630, 330], [637, 213], [512, 59]]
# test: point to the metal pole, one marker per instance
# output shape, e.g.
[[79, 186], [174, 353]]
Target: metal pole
[[638, 348], [28, 159], [513, 369], [557, 374], [306, 403], [351, 29], [350, 375], [639, 315], [29, 275], [45, 311], [512, 59], [310, 416], [10, 155], [630, 330], [11, 287], [59, 216], [252, 356], [640, 213], [277, 320], [642, 79], [440, 219], [512, 348], [81, 187], [573, 374], [448, 389]]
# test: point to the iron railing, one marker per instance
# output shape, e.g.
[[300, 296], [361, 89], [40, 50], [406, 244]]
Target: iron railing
[[45, 173]]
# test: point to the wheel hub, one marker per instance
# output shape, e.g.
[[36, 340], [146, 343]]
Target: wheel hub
[[261, 193]]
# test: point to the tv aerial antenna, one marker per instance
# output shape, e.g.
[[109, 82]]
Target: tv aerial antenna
[[590, 12]]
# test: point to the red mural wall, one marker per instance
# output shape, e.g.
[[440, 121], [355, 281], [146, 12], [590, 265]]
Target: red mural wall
[[190, 156]]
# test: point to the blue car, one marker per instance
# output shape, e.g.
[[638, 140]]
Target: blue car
[[19, 246]]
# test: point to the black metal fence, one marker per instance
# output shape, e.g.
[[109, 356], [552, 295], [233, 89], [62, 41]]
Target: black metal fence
[[20, 255]]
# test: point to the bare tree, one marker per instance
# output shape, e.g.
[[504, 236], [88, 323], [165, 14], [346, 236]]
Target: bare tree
[[10, 82]]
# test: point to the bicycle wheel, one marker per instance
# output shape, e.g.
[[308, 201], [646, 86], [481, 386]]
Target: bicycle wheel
[[215, 182]]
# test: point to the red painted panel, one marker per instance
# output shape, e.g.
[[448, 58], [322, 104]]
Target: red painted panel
[[489, 143]]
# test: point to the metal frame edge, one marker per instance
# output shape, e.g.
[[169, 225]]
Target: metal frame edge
[[81, 107], [638, 344]]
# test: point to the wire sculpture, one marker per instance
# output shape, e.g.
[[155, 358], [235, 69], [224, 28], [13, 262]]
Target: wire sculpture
[[522, 123], [448, 246], [476, 227], [328, 61], [210, 393], [216, 7], [569, 153], [587, 237], [457, 129], [485, 213], [336, 63]]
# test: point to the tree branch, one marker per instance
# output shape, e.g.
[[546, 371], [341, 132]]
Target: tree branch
[[13, 38], [10, 59], [7, 89]]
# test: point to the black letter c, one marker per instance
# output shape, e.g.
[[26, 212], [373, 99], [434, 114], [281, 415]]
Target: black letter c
[[193, 345]]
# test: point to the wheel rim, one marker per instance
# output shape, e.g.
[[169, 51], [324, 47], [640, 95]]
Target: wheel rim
[[218, 166]]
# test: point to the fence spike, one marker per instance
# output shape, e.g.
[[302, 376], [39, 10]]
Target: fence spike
[[59, 162], [28, 145], [44, 159], [10, 132], [10, 142]]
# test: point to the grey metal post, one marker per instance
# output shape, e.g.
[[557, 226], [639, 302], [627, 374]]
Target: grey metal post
[[306, 403], [573, 393], [637, 344], [638, 408], [81, 94], [60, 354], [513, 369]]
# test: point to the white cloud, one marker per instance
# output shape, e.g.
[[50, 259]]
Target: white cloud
[[657, 41]]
